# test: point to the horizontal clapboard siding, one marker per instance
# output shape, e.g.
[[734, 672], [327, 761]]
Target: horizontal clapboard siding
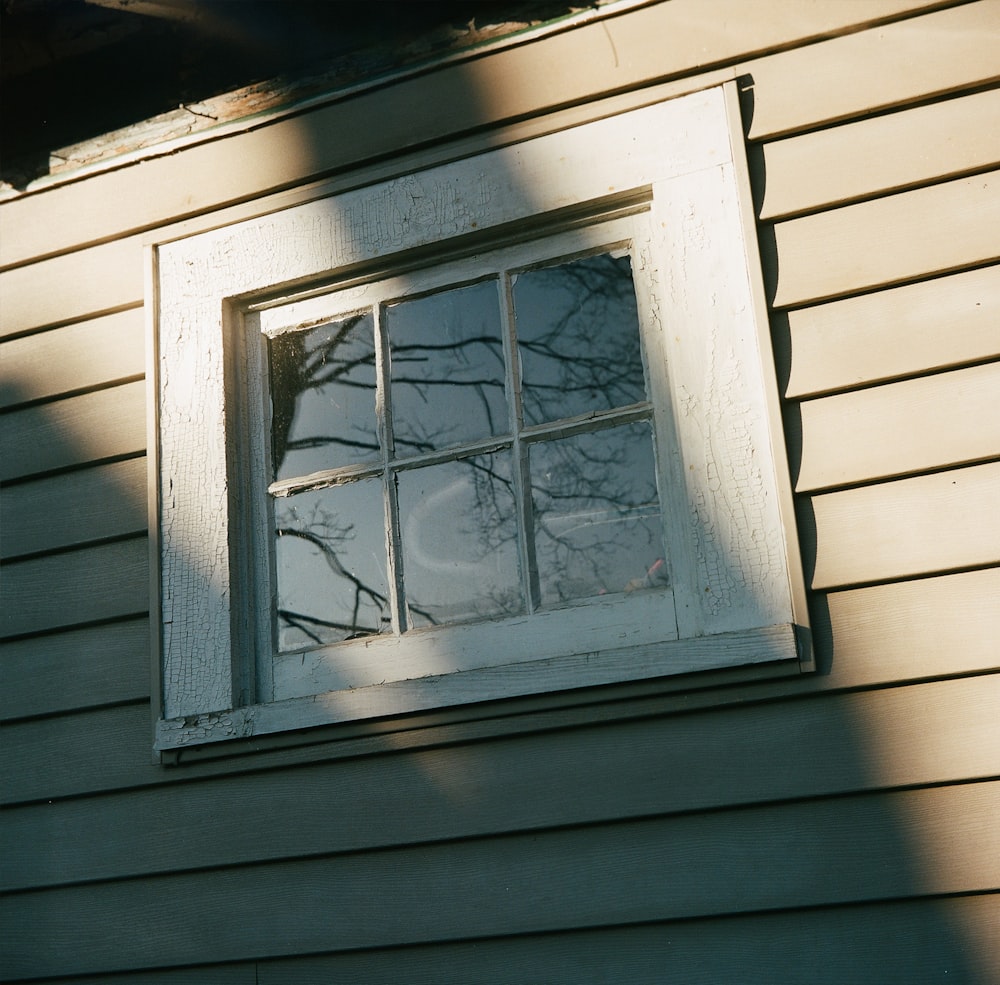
[[90, 353], [902, 331], [502, 850], [899, 238], [823, 947], [61, 672], [73, 508], [874, 156], [743, 860], [912, 426], [927, 734], [520, 82], [909, 527], [886, 634], [86, 585], [71, 287], [104, 424]]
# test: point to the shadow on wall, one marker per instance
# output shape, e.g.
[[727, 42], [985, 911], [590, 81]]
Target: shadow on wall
[[736, 844]]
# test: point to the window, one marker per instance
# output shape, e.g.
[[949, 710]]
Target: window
[[501, 426]]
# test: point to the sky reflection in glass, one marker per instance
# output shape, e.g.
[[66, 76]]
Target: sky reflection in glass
[[460, 540], [597, 516], [578, 338], [330, 564], [323, 397], [447, 368]]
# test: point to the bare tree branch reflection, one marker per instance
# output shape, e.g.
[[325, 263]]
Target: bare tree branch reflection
[[594, 512]]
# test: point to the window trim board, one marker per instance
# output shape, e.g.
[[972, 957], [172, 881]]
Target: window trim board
[[689, 151]]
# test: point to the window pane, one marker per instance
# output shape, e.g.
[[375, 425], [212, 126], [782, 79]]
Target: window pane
[[447, 369], [459, 541], [578, 338], [323, 397], [330, 562], [598, 528]]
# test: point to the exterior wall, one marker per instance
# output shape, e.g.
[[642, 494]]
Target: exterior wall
[[837, 827]]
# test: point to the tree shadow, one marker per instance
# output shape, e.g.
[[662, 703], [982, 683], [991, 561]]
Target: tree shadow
[[640, 911]]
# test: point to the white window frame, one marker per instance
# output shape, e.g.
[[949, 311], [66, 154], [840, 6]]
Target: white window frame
[[737, 586]]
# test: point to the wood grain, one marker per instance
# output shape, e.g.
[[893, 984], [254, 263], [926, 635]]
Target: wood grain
[[519, 82], [77, 357], [86, 428], [84, 585], [846, 850], [75, 670], [934, 421], [73, 286], [73, 508], [910, 527], [926, 326], [884, 154], [902, 237], [923, 734]]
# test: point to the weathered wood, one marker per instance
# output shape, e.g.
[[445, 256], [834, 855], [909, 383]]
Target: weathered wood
[[72, 508], [923, 942], [63, 672], [924, 734], [874, 156], [837, 851], [77, 357], [918, 58], [90, 427], [73, 286], [83, 585], [942, 420], [909, 527], [524, 80], [930, 325], [902, 237]]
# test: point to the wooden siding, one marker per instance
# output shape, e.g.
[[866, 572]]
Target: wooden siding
[[829, 827]]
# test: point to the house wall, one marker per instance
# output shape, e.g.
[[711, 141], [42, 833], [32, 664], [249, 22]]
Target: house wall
[[836, 827]]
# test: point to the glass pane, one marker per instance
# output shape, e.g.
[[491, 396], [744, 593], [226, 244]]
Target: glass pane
[[459, 541], [598, 528], [330, 560], [578, 338], [323, 397], [447, 369]]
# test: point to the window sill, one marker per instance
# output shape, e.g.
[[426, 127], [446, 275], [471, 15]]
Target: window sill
[[778, 646]]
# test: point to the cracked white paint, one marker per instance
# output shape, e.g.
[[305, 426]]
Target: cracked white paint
[[727, 538]]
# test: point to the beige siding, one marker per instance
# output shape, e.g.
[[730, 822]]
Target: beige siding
[[760, 828]]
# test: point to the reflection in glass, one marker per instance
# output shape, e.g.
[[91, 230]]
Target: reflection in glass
[[447, 368], [597, 516], [459, 541], [323, 397], [330, 562], [578, 338]]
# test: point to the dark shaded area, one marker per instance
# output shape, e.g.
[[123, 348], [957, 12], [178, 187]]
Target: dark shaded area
[[71, 70]]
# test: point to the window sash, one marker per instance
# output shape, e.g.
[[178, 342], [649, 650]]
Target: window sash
[[738, 588]]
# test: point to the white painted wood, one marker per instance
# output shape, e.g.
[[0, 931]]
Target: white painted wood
[[902, 237], [774, 644], [678, 148], [933, 421], [733, 572], [930, 325], [910, 527], [77, 357], [886, 153]]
